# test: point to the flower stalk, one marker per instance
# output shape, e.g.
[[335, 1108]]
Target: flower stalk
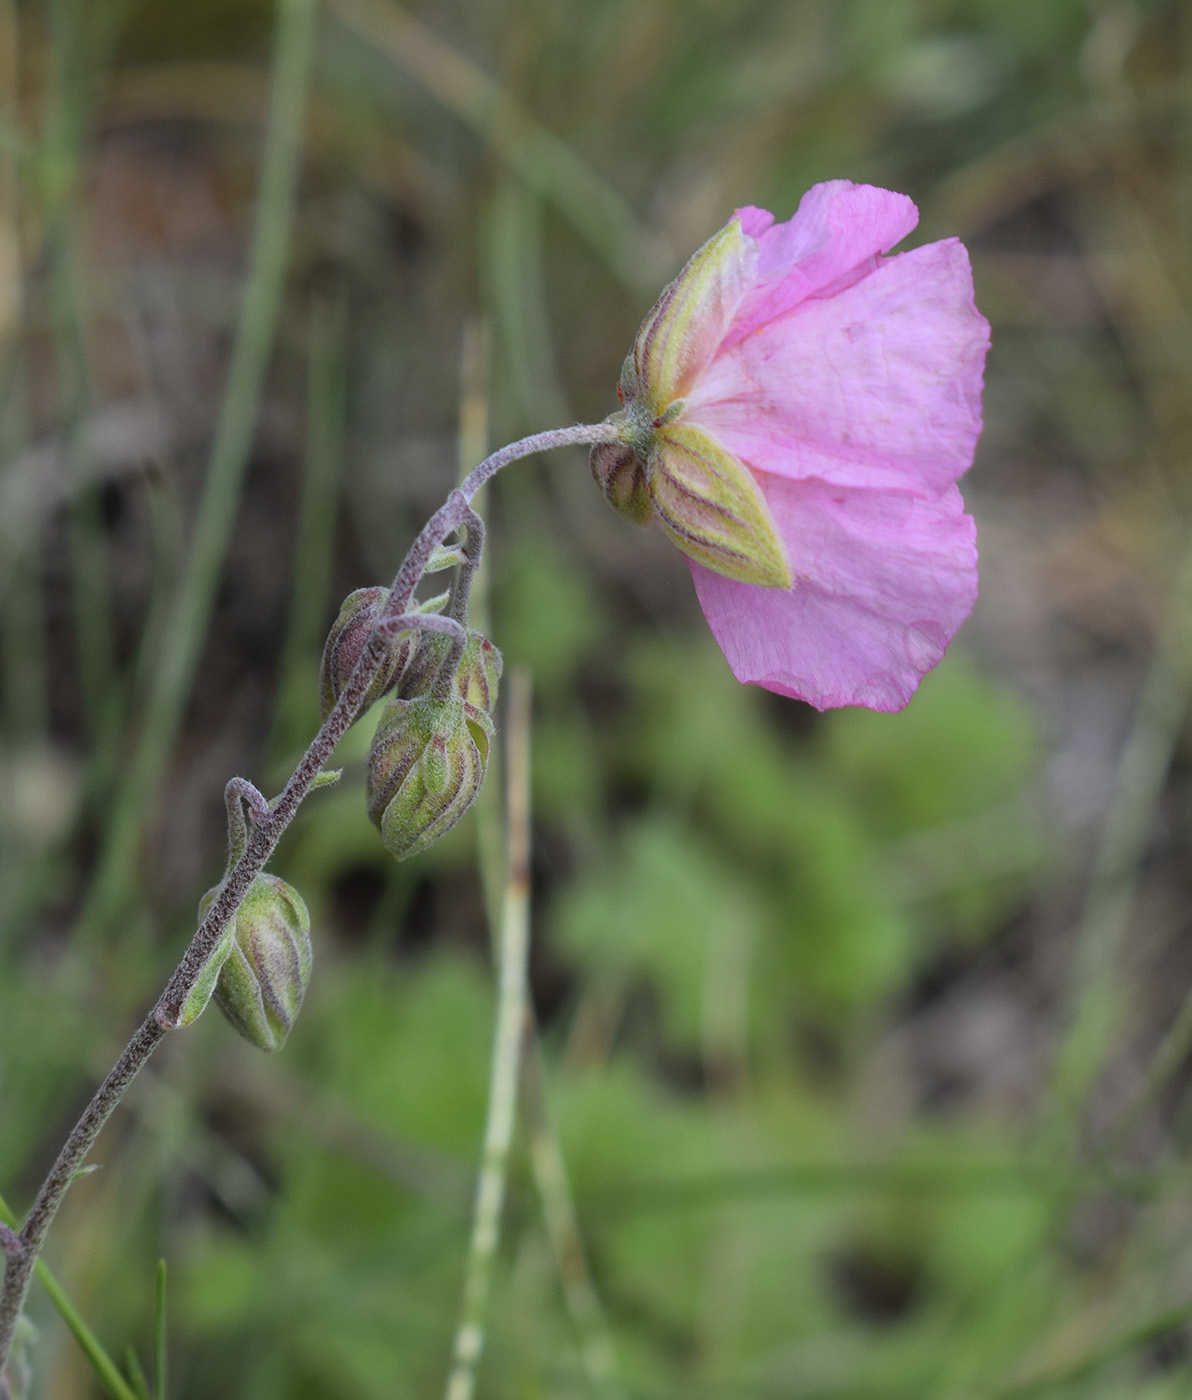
[[252, 842]]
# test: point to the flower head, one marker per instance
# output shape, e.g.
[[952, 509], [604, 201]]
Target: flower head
[[797, 410]]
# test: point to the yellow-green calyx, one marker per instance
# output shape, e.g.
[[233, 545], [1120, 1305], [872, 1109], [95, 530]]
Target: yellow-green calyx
[[663, 467], [708, 502]]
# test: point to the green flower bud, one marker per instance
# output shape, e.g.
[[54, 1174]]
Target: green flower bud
[[419, 676], [621, 475], [479, 672], [476, 679], [357, 615], [427, 762], [266, 968]]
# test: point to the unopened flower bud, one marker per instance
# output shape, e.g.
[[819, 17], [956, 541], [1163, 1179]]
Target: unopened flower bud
[[475, 680], [345, 642], [479, 672], [426, 765], [621, 475], [429, 654], [264, 976]]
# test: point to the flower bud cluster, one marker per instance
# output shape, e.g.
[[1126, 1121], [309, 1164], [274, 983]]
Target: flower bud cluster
[[430, 750], [426, 764]]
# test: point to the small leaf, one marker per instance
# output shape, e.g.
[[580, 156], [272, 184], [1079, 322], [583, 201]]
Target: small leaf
[[200, 994], [444, 557], [435, 604]]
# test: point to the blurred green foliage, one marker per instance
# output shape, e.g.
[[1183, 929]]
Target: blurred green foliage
[[794, 974]]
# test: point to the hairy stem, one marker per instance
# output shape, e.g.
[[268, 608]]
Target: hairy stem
[[265, 834], [471, 551], [19, 1267], [457, 507], [106, 1370]]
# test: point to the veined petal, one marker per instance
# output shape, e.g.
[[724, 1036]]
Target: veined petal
[[834, 238], [711, 506], [879, 385], [882, 582], [690, 318]]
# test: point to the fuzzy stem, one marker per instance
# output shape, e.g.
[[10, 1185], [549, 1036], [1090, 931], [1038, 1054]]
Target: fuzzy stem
[[512, 1001], [19, 1267], [455, 510], [106, 1370], [447, 627], [259, 847], [471, 551]]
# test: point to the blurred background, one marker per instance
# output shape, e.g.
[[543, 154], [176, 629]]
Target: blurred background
[[863, 1038]]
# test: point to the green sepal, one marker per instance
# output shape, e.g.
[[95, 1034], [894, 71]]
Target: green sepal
[[476, 676], [710, 504], [196, 1003], [685, 326], [479, 671]]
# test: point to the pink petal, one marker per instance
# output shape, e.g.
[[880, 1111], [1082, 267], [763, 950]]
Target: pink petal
[[882, 582], [834, 237], [879, 385], [755, 221]]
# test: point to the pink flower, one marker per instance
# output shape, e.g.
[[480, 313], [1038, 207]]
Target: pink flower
[[798, 408]]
